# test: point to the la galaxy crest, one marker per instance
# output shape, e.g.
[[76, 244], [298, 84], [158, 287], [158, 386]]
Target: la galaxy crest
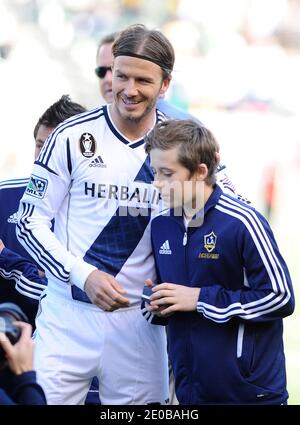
[[210, 243], [87, 145]]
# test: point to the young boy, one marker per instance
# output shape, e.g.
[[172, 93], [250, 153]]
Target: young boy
[[222, 282]]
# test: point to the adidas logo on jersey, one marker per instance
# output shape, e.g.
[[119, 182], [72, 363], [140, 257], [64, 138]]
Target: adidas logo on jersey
[[97, 162], [13, 218], [165, 248]]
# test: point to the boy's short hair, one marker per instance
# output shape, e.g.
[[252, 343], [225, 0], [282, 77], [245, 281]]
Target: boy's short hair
[[58, 112], [197, 145]]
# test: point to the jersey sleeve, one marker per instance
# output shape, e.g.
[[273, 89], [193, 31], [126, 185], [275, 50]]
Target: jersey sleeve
[[227, 186], [47, 188], [267, 294], [152, 318], [23, 272]]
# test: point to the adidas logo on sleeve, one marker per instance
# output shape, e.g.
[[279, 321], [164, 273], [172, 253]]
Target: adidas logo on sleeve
[[165, 248]]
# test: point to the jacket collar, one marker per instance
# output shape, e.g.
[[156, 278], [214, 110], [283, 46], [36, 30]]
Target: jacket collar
[[212, 201]]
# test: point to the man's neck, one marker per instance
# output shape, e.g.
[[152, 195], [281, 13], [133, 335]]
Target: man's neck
[[133, 129]]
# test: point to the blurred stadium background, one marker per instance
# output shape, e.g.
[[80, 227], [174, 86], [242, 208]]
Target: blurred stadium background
[[237, 69]]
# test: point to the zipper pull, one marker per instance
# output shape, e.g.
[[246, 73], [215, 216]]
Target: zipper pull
[[184, 242]]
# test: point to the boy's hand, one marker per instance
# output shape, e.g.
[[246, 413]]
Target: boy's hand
[[168, 298], [155, 309]]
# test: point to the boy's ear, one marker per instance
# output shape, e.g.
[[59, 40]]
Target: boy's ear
[[202, 172]]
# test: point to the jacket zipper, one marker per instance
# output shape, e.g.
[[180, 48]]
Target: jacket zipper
[[240, 340]]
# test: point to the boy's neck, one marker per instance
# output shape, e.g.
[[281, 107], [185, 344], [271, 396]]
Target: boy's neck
[[189, 211]]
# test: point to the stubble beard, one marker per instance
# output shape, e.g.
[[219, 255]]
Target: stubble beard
[[147, 111]]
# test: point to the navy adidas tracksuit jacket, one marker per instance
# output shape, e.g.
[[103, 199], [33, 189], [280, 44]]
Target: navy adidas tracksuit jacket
[[20, 282], [231, 350], [20, 389], [19, 279]]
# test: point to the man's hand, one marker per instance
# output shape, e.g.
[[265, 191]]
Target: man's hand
[[2, 246], [104, 291], [170, 297], [41, 274], [20, 355]]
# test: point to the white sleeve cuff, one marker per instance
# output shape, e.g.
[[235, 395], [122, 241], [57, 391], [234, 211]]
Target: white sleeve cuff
[[80, 272]]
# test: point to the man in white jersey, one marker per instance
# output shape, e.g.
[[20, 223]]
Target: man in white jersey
[[103, 70], [94, 177], [104, 60]]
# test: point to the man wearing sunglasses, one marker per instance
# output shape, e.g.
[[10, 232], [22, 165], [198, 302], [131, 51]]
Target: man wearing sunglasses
[[103, 70]]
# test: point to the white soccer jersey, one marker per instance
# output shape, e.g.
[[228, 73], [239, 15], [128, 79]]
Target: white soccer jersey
[[97, 184]]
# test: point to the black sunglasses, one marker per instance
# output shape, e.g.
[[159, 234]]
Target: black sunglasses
[[101, 71]]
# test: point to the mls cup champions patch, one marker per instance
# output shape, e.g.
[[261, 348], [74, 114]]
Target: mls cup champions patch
[[87, 145]]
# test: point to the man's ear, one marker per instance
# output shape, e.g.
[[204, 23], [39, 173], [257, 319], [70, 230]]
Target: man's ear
[[164, 87]]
